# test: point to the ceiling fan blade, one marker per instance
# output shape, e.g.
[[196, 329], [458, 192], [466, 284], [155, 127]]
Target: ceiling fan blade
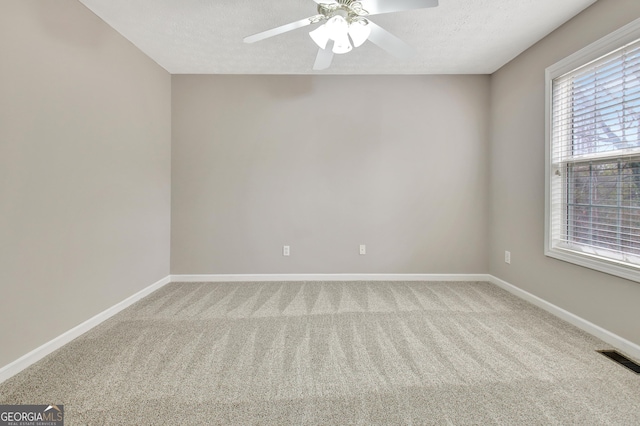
[[279, 30], [376, 7], [387, 41], [324, 58]]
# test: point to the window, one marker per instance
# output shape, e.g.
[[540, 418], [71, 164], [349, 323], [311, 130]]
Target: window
[[593, 156]]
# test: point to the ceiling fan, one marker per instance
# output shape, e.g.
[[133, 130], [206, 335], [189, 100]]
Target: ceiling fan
[[345, 26]]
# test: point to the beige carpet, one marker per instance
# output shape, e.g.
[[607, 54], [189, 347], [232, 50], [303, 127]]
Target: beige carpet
[[332, 353]]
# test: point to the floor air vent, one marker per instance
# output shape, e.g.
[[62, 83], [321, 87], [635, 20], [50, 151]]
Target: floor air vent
[[622, 360]]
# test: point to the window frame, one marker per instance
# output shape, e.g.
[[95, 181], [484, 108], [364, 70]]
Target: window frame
[[625, 35]]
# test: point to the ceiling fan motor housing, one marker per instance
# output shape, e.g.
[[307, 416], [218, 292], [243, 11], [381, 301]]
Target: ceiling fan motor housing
[[351, 10]]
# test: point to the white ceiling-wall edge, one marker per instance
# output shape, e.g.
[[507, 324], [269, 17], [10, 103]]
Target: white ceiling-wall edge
[[458, 37], [127, 39]]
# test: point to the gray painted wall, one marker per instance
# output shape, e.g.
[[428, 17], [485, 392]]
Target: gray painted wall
[[323, 164], [85, 144], [517, 181]]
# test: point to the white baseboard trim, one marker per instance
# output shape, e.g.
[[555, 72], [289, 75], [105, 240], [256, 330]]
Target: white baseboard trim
[[44, 350], [327, 277], [614, 340]]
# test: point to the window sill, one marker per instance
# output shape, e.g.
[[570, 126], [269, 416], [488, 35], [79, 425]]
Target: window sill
[[618, 269]]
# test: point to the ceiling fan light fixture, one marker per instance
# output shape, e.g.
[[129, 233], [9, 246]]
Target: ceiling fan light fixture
[[342, 45], [359, 32], [336, 27], [320, 36]]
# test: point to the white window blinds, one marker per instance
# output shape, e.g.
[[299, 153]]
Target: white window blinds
[[594, 156]]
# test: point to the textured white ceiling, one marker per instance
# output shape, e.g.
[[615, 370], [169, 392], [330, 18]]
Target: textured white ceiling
[[205, 36]]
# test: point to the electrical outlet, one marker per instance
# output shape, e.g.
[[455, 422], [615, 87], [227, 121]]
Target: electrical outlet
[[507, 257], [363, 249], [285, 250]]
